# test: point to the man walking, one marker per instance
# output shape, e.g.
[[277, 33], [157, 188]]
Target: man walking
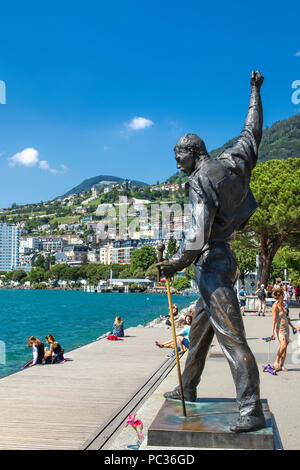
[[221, 202], [261, 295]]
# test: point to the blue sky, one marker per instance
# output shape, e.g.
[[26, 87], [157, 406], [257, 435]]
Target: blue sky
[[78, 73]]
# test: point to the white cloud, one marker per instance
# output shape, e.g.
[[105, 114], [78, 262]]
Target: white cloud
[[297, 54], [29, 157], [44, 165], [138, 123]]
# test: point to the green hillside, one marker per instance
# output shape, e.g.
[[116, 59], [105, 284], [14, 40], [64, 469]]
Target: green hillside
[[280, 141], [87, 184]]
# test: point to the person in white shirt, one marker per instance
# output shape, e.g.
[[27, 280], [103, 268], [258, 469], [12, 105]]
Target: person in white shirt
[[38, 351]]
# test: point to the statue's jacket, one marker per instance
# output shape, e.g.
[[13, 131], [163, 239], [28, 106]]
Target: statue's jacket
[[221, 200]]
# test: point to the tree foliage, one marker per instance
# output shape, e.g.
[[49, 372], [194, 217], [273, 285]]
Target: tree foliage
[[142, 258], [275, 185]]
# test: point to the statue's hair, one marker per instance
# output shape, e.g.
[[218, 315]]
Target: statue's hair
[[191, 142]]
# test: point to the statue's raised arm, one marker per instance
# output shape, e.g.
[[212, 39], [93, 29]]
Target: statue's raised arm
[[242, 157]]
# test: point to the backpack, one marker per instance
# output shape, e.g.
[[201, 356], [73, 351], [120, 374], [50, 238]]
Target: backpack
[[261, 294]]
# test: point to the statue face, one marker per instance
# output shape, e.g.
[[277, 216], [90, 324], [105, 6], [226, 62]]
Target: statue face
[[185, 160]]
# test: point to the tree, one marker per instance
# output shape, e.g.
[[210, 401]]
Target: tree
[[39, 262], [48, 262], [151, 272], [287, 257], [18, 275], [59, 272], [36, 275], [275, 186], [245, 253], [172, 247], [142, 258], [180, 282], [190, 273], [84, 259]]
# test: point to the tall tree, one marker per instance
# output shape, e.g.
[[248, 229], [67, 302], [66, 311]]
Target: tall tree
[[275, 185]]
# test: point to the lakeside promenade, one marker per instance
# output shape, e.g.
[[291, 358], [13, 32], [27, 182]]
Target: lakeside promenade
[[61, 406], [281, 391]]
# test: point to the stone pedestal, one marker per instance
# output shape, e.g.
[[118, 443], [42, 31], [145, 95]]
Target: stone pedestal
[[206, 426]]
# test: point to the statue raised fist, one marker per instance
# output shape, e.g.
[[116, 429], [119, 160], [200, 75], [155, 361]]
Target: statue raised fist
[[256, 79]]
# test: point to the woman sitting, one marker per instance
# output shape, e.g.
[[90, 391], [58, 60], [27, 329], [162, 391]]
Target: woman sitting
[[182, 338], [118, 327], [55, 353], [37, 351]]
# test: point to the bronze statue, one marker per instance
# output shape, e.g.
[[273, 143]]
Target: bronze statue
[[221, 203]]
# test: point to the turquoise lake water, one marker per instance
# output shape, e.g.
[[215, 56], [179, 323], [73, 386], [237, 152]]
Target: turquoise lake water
[[73, 318]]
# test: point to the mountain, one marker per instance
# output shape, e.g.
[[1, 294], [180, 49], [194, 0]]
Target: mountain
[[280, 141], [87, 184]]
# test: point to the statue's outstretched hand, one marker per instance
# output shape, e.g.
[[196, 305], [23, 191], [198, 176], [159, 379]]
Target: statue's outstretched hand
[[256, 79]]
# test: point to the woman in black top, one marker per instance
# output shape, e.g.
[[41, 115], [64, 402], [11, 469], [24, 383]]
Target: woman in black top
[[55, 353]]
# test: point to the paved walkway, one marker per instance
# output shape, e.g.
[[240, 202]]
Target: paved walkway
[[59, 406], [281, 391]]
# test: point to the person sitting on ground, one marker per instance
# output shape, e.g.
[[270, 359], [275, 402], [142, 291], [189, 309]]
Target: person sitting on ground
[[242, 298], [182, 338], [280, 324], [37, 351], [175, 313], [118, 327], [261, 294], [55, 353]]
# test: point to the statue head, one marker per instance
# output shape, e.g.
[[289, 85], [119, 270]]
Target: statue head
[[188, 150]]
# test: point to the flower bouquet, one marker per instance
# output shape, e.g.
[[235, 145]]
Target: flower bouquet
[[137, 425]]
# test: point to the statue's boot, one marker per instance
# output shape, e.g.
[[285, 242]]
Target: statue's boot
[[176, 395], [249, 423]]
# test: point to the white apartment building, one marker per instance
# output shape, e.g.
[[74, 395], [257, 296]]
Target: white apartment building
[[9, 247], [111, 255], [29, 244], [105, 254]]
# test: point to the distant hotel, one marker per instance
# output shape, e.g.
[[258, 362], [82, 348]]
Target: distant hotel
[[9, 247]]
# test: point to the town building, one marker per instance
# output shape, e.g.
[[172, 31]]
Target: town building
[[9, 247], [30, 244], [52, 243], [75, 252]]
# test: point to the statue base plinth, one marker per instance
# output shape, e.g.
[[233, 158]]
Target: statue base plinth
[[207, 425]]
